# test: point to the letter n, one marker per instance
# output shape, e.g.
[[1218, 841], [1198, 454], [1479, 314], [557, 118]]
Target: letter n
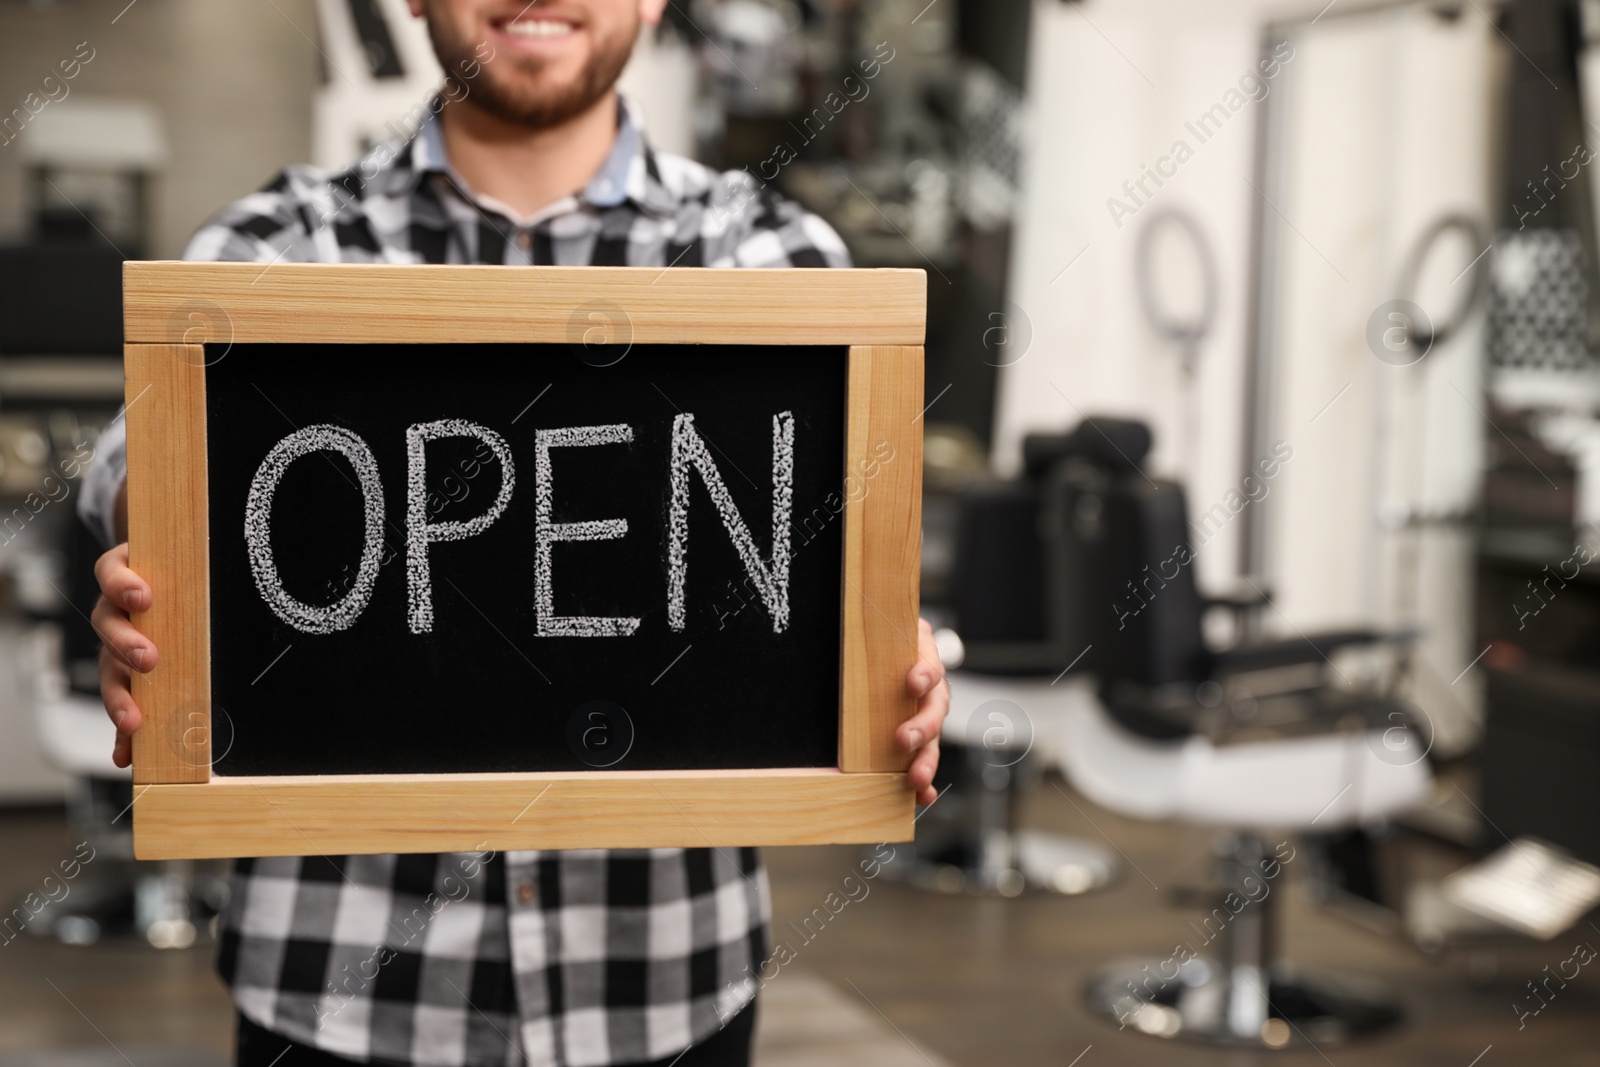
[[771, 579]]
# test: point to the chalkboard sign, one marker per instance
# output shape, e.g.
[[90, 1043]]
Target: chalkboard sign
[[460, 557]]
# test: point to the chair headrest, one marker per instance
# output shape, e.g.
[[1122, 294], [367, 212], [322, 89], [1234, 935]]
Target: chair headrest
[[1118, 445]]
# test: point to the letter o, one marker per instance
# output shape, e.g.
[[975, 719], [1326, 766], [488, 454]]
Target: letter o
[[342, 613]]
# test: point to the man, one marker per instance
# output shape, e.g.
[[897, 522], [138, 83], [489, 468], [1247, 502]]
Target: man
[[471, 959]]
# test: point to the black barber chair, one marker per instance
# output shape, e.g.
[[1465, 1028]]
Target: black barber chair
[[1255, 736]]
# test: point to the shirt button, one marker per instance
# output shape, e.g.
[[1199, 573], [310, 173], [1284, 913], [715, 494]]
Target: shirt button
[[525, 892], [524, 241]]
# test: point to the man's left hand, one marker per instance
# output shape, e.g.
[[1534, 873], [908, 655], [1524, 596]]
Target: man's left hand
[[920, 733]]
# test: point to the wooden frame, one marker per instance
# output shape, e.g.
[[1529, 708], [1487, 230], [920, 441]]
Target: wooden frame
[[173, 309]]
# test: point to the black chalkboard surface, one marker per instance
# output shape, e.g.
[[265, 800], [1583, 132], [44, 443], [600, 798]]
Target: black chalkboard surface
[[724, 685]]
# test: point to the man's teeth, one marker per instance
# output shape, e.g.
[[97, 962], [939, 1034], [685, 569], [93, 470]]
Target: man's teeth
[[538, 28]]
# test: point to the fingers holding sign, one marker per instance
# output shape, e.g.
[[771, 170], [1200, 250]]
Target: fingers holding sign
[[123, 649], [920, 733]]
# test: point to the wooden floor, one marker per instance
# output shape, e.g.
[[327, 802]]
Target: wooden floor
[[897, 977]]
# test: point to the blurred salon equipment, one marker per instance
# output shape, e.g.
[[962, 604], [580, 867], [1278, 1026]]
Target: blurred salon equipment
[[166, 904], [1263, 734], [1184, 327], [1537, 615], [383, 77], [1529, 886], [90, 166], [909, 140], [1405, 512]]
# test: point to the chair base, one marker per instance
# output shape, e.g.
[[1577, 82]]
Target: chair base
[[1303, 1009], [135, 902], [1017, 862]]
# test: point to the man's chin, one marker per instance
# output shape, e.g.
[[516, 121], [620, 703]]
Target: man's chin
[[538, 108], [538, 93]]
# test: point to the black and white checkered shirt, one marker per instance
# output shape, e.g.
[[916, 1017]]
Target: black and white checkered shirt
[[576, 957]]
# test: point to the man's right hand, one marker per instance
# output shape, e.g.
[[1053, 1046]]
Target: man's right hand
[[123, 649]]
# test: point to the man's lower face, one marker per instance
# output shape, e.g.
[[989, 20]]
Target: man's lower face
[[539, 65]]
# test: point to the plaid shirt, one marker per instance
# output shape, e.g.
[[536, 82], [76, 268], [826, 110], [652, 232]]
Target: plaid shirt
[[575, 957]]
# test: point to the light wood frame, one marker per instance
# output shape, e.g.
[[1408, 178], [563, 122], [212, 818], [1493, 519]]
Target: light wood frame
[[172, 310]]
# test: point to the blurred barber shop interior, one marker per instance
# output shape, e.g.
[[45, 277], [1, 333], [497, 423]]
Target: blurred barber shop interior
[[1260, 527]]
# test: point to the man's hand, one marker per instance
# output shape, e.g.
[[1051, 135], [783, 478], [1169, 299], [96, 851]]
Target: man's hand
[[123, 649], [920, 733]]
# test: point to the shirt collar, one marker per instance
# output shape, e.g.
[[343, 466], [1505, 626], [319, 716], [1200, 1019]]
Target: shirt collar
[[629, 172]]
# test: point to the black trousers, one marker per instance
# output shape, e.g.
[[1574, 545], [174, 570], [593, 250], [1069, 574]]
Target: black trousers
[[258, 1047]]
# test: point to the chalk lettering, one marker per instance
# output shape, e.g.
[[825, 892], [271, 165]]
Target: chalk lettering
[[342, 613], [547, 533], [771, 579], [419, 531]]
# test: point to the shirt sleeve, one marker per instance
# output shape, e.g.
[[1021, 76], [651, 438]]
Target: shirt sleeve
[[97, 498]]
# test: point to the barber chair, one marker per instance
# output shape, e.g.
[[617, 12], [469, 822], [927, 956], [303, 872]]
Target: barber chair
[[1265, 734], [1011, 649]]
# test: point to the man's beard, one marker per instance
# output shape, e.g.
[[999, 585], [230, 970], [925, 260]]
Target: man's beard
[[532, 108]]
